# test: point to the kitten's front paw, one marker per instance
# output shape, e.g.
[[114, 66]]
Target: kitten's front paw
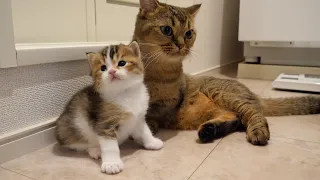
[[94, 152], [113, 167], [154, 144]]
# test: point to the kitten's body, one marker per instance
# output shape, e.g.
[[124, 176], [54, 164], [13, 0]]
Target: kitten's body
[[105, 114], [214, 106]]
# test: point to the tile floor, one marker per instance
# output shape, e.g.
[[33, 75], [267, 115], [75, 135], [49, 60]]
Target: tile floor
[[293, 153]]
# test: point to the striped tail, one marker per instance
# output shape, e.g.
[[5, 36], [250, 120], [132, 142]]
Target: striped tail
[[291, 106]]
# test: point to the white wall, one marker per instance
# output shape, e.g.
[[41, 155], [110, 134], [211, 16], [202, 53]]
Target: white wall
[[217, 37]]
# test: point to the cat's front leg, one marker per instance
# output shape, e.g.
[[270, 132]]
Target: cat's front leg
[[142, 134], [110, 155]]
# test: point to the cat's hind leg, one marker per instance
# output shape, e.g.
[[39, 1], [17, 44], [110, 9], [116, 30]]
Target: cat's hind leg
[[219, 127]]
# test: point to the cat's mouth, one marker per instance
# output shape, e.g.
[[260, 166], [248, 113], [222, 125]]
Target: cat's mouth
[[178, 53]]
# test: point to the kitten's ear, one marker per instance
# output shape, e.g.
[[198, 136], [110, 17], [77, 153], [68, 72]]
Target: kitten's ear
[[149, 5], [135, 47], [193, 10], [91, 59]]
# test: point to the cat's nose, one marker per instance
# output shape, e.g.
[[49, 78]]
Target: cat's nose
[[180, 46], [112, 72]]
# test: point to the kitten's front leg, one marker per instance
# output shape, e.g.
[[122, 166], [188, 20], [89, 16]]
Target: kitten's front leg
[[142, 134], [110, 156]]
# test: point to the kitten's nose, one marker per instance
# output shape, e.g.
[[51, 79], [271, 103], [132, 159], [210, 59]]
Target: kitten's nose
[[112, 72]]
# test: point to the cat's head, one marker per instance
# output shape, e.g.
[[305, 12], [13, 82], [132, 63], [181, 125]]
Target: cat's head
[[171, 29], [117, 66]]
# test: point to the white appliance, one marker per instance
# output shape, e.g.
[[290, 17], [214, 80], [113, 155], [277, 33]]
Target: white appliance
[[298, 82]]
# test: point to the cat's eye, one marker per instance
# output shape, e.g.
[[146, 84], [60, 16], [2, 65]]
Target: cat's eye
[[189, 34], [103, 67], [166, 30], [122, 63]]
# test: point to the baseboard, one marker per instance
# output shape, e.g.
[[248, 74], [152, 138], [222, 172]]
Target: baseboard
[[270, 72], [25, 145], [216, 67], [35, 137]]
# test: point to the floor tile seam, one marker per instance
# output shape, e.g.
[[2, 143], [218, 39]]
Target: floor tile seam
[[205, 159], [264, 88], [6, 169], [284, 137]]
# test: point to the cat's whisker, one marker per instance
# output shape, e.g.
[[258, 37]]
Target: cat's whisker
[[151, 60], [194, 51], [148, 44], [155, 58], [191, 55], [148, 54], [151, 56]]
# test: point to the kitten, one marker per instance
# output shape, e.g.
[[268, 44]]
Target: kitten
[[101, 116]]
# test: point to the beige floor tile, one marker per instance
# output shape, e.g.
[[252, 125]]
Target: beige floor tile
[[8, 175], [282, 159], [268, 92], [177, 160], [256, 86], [296, 127]]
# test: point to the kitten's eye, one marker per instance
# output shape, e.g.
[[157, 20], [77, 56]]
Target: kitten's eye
[[166, 30], [122, 63], [103, 67], [189, 34]]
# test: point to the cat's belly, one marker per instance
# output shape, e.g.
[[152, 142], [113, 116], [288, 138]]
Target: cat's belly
[[195, 111]]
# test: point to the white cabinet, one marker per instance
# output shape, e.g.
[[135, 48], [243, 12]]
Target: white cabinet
[[48, 21], [115, 22], [284, 20]]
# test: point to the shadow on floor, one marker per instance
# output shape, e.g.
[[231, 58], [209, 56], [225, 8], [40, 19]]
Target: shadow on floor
[[126, 149]]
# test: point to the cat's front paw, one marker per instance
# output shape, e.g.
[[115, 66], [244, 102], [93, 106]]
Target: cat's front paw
[[154, 144], [113, 167]]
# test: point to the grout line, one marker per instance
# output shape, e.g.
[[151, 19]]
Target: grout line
[[17, 173], [204, 159], [260, 93], [277, 136]]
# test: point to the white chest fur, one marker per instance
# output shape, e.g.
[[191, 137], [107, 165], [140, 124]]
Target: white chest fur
[[134, 100]]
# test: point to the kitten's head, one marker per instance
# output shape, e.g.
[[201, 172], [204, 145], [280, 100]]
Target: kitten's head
[[166, 28], [117, 66]]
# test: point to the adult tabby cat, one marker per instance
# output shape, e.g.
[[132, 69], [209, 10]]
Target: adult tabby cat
[[214, 106]]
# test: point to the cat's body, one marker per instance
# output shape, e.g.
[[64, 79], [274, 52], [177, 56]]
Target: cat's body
[[101, 116], [214, 106]]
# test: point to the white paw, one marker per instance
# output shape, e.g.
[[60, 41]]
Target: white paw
[[154, 144], [94, 152], [113, 167]]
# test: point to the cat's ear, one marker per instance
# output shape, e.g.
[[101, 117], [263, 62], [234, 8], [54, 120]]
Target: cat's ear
[[193, 10], [149, 5], [135, 48]]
